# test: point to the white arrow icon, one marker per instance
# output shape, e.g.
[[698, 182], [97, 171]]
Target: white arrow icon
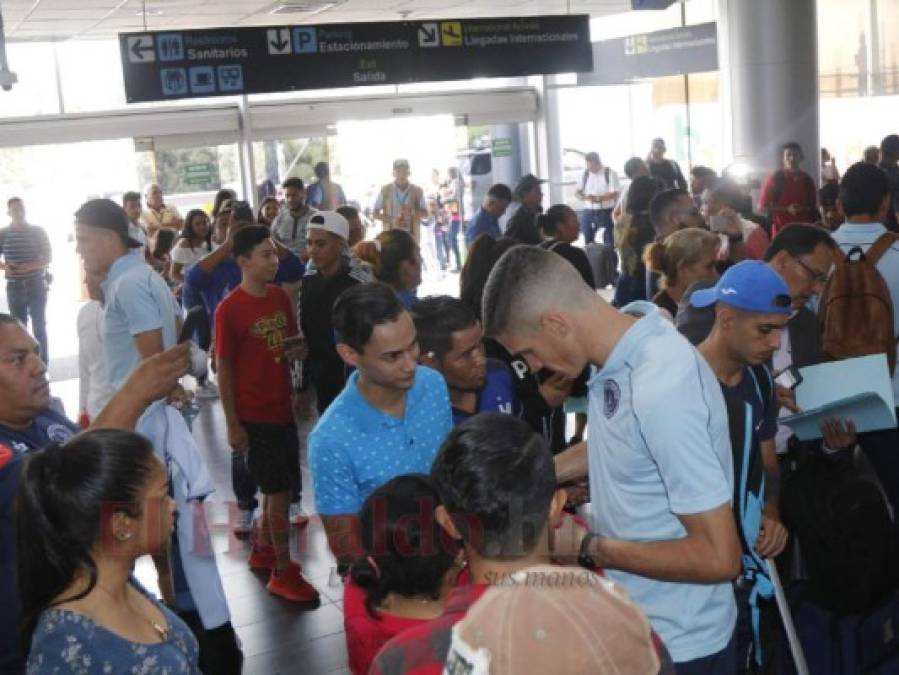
[[278, 40], [140, 49]]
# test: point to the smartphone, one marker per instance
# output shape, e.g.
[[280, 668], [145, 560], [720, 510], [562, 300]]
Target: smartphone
[[191, 324], [789, 377]]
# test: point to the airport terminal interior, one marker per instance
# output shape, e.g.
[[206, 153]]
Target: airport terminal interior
[[348, 336]]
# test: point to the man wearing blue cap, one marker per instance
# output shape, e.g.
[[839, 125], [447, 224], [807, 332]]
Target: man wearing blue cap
[[752, 308]]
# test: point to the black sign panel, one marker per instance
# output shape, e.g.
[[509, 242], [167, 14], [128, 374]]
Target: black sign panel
[[167, 65], [691, 49]]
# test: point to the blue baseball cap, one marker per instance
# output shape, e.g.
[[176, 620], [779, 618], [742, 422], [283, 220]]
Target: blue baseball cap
[[751, 286]]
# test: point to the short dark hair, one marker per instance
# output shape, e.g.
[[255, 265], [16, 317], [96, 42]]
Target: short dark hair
[[130, 196], [703, 172], [592, 157], [662, 203], [359, 309], [496, 480], [632, 166], [247, 238], [396, 247], [348, 212], [791, 145], [294, 183], [828, 194], [405, 549], [799, 239], [500, 191], [889, 145], [862, 189], [321, 170], [13, 200], [436, 318]]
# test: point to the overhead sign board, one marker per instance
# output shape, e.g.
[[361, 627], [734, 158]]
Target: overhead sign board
[[690, 49], [225, 61]]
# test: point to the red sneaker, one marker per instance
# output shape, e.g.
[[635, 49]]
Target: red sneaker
[[291, 585], [262, 558]]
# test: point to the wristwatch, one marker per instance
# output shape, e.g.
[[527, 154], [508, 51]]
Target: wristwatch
[[584, 559]]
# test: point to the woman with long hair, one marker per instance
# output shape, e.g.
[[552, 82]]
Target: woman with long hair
[[269, 209], [682, 259], [483, 255], [85, 512], [194, 243], [405, 572], [633, 237], [395, 259]]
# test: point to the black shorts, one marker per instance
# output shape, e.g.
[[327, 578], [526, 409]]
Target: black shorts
[[273, 457]]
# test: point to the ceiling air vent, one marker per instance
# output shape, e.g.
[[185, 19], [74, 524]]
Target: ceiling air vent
[[307, 8]]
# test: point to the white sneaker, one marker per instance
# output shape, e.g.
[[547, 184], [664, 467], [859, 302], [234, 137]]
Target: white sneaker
[[244, 523], [207, 392], [297, 517]]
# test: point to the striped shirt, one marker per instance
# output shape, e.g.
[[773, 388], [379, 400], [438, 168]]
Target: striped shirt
[[24, 244]]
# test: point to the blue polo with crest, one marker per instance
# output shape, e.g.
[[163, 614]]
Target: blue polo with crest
[[659, 447], [497, 395]]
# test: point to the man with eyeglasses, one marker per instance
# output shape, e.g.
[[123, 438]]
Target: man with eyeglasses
[[452, 342]]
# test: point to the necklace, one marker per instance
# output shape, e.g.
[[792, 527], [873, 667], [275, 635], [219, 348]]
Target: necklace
[[161, 631]]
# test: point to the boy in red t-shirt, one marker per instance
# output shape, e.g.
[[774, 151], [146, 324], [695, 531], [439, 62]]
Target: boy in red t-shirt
[[255, 337]]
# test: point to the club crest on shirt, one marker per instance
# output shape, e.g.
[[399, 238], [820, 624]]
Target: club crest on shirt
[[611, 397], [58, 433]]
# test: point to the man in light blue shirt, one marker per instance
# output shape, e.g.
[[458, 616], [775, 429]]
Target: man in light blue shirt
[[142, 315], [865, 200], [659, 456], [486, 219], [389, 420]]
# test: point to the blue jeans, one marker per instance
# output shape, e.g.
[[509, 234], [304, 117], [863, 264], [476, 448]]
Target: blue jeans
[[722, 663], [591, 222], [29, 297], [442, 246]]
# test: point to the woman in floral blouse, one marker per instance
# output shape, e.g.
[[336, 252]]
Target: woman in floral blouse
[[86, 511]]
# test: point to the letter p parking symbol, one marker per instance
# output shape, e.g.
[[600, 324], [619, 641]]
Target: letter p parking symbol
[[305, 41]]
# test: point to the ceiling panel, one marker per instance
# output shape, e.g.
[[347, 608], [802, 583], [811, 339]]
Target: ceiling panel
[[66, 19]]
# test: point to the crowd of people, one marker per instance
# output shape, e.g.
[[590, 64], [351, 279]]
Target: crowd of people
[[471, 532]]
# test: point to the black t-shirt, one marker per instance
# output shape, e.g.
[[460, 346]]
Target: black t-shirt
[[668, 173], [317, 296], [751, 389], [575, 256]]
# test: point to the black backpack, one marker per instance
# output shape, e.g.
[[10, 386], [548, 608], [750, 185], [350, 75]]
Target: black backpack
[[847, 538]]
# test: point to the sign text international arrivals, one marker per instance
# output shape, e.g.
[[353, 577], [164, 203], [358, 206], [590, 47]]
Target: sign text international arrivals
[[226, 61]]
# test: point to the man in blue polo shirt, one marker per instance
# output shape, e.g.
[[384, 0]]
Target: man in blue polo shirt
[[486, 219], [389, 420], [451, 341], [141, 314], [659, 455]]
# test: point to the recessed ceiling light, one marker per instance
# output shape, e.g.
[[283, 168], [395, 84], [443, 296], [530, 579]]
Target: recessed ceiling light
[[308, 8]]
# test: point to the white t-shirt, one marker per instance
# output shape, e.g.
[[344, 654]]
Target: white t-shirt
[[595, 184], [187, 256], [94, 390]]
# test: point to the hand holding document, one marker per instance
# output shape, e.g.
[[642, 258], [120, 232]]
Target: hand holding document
[[857, 389]]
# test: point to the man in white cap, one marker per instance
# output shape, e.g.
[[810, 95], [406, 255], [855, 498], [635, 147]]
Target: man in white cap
[[330, 274]]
